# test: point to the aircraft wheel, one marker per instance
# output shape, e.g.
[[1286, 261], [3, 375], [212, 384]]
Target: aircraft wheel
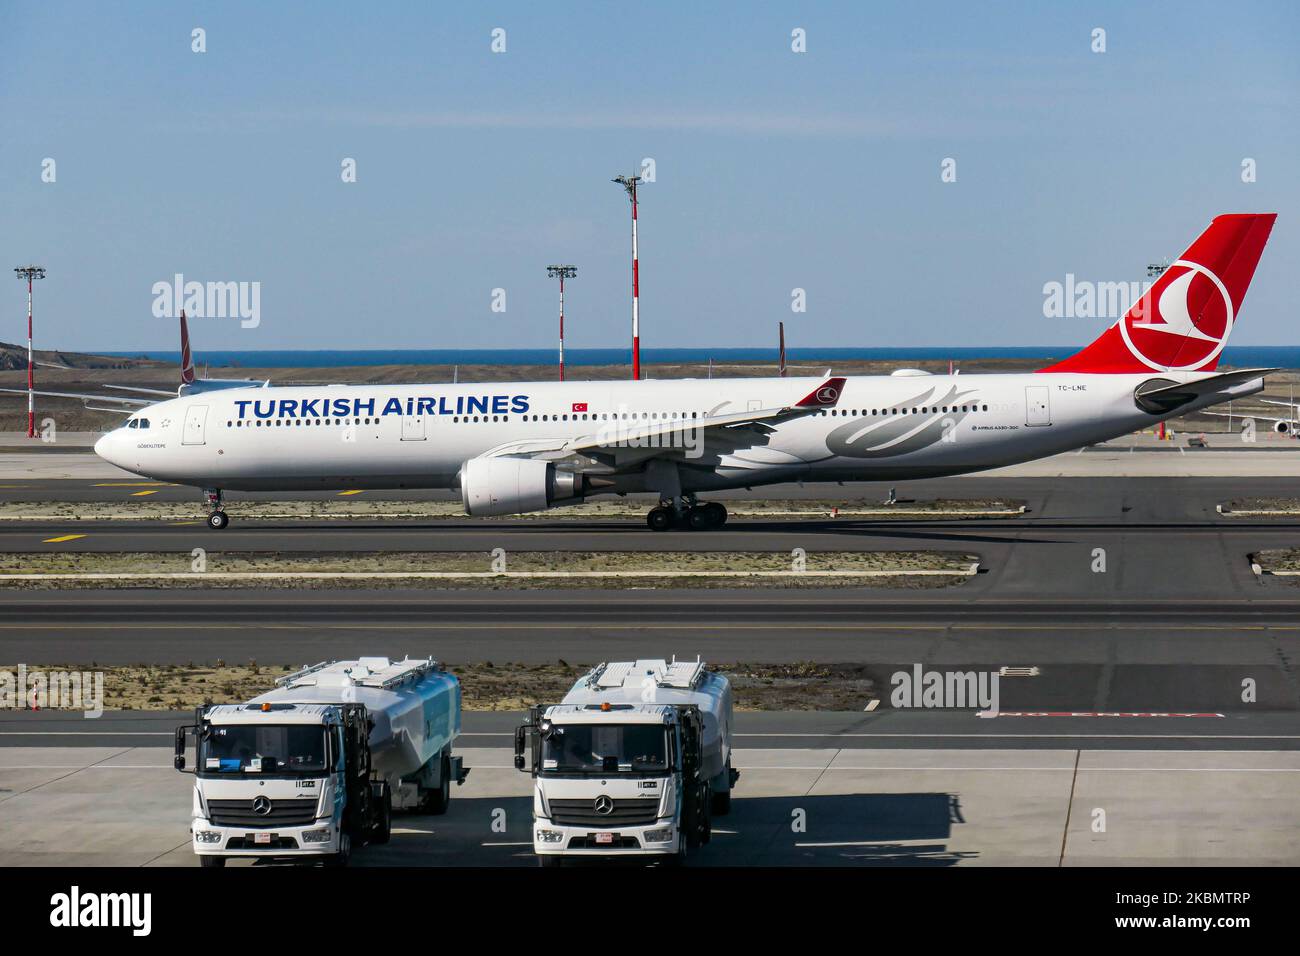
[[717, 514], [699, 518], [218, 520], [659, 519]]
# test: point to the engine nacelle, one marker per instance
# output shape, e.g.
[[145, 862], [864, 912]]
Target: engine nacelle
[[508, 486], [1282, 428]]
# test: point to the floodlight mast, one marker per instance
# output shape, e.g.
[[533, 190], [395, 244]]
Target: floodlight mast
[[629, 183], [29, 273], [562, 273]]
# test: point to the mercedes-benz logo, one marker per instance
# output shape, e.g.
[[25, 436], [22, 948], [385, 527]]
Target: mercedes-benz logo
[[604, 805], [261, 806]]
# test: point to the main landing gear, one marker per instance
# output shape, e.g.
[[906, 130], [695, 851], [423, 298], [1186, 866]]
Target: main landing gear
[[686, 512], [216, 517]]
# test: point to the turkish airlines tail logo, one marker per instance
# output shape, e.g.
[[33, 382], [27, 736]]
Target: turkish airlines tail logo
[[1183, 321]]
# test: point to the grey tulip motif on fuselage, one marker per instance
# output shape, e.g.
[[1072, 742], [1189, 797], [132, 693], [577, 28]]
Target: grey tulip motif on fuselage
[[889, 435]]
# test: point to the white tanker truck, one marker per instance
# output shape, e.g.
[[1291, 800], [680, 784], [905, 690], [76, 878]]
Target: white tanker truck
[[632, 763], [316, 766]]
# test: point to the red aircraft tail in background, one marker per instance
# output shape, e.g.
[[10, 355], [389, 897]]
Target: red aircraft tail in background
[[1183, 321]]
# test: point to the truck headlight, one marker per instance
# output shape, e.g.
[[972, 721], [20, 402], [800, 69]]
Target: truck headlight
[[662, 835], [207, 836], [550, 836], [316, 836]]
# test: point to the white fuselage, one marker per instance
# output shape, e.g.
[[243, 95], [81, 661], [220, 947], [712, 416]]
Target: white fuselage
[[418, 436]]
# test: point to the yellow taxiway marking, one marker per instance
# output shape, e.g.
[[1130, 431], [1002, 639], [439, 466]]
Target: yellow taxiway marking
[[355, 491], [140, 494], [61, 538], [133, 484], [179, 524]]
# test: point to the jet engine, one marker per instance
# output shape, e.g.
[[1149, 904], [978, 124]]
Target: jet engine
[[1282, 427], [507, 486]]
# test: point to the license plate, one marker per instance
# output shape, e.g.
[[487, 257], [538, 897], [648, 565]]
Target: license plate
[[604, 838], [261, 838]]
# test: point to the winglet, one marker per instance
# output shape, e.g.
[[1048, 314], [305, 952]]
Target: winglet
[[187, 357], [824, 395]]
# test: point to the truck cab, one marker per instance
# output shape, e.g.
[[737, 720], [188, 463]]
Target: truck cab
[[630, 763], [315, 766], [283, 779]]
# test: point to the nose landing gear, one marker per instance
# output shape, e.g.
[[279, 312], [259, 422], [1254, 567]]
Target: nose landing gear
[[687, 513], [216, 517]]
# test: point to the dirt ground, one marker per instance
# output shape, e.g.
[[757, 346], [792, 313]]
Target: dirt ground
[[1280, 505], [485, 685], [658, 568], [345, 509]]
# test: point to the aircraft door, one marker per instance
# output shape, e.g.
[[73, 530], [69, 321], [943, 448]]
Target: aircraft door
[[413, 428], [196, 420], [1037, 408]]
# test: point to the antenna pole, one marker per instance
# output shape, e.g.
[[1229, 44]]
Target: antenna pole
[[29, 273], [629, 183], [562, 273]]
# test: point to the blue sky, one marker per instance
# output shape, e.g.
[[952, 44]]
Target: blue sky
[[774, 170]]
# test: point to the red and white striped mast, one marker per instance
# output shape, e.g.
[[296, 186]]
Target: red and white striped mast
[[29, 273], [629, 183], [562, 273]]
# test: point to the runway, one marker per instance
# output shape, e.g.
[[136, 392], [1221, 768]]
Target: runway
[[1172, 617]]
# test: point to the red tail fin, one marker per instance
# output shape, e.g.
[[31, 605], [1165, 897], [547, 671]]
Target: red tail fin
[[187, 357], [1183, 321]]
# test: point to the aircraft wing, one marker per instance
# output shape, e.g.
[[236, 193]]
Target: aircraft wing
[[647, 440], [130, 403]]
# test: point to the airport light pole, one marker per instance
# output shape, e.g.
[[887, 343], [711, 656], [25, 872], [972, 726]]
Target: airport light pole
[[629, 183], [562, 273], [29, 273]]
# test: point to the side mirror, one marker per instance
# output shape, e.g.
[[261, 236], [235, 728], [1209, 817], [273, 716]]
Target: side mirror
[[521, 740], [179, 762]]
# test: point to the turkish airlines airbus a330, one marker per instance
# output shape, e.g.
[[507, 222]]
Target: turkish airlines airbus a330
[[512, 448]]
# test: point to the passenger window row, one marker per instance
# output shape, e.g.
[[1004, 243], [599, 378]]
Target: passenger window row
[[918, 410]]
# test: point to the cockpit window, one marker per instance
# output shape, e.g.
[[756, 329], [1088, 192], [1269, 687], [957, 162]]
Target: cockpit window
[[138, 423]]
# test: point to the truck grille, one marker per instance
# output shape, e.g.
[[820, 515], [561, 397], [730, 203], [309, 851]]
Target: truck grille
[[628, 812], [283, 813]]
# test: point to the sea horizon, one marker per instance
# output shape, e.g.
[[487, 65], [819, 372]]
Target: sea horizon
[[1282, 356]]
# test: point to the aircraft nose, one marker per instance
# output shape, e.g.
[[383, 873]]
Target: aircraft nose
[[103, 447]]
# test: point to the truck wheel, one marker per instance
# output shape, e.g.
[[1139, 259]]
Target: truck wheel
[[384, 825], [344, 855], [550, 862], [437, 801], [212, 862], [678, 858], [722, 801]]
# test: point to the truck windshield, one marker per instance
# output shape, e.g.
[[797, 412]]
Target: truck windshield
[[595, 748], [271, 748]]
